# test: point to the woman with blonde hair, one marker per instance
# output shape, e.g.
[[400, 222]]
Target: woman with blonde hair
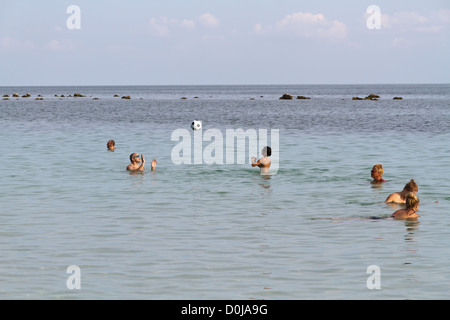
[[410, 212], [377, 173]]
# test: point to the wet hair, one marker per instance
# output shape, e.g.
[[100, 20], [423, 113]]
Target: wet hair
[[411, 186], [378, 168], [110, 143], [411, 200], [267, 150], [131, 156]]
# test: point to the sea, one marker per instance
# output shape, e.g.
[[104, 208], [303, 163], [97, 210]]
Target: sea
[[75, 224]]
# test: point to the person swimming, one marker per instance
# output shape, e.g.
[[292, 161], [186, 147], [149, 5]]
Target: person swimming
[[377, 173], [410, 212], [138, 163], [110, 145], [400, 197], [264, 162]]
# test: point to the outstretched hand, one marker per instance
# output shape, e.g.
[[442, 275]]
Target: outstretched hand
[[153, 164]]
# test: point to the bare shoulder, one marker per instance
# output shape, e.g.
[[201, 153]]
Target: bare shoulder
[[394, 197]]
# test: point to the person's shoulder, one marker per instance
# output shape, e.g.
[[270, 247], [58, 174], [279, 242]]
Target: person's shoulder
[[399, 213]]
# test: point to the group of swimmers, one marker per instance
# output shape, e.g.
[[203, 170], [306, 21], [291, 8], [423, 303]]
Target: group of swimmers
[[407, 196]]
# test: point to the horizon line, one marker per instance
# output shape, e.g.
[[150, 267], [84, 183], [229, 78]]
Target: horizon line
[[248, 84]]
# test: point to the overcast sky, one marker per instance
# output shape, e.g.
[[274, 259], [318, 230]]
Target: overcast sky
[[188, 42]]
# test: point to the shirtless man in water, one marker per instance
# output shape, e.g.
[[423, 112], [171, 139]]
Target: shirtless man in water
[[137, 165], [400, 197], [264, 162]]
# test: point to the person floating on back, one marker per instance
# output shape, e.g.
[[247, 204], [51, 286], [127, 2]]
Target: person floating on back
[[264, 162], [410, 212], [377, 173], [137, 165], [400, 197]]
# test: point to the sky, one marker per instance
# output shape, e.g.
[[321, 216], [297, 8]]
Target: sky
[[218, 42]]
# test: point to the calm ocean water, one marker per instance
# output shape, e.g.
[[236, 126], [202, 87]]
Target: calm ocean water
[[223, 231]]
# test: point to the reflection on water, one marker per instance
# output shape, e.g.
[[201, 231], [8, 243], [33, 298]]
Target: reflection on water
[[411, 227], [265, 181]]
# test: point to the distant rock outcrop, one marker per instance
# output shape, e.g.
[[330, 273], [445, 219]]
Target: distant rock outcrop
[[303, 98], [374, 97], [78, 95], [126, 97], [286, 96], [397, 98]]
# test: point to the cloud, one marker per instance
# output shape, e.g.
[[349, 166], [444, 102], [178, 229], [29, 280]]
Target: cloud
[[305, 25], [12, 43], [413, 21], [60, 45], [443, 15], [163, 26], [209, 20]]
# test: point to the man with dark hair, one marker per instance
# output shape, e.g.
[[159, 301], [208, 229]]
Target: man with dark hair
[[264, 162]]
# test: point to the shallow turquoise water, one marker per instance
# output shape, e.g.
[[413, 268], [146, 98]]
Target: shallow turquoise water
[[223, 231]]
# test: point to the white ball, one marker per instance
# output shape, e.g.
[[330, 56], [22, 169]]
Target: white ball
[[196, 125]]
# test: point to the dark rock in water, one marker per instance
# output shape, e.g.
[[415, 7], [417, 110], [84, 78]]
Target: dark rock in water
[[369, 97], [78, 95], [95, 99], [183, 98], [286, 96], [26, 95], [303, 97], [63, 96], [126, 97], [116, 96], [5, 99], [398, 98], [15, 95], [39, 99], [6, 96]]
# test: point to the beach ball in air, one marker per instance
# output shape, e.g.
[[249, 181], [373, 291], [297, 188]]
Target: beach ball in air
[[196, 125]]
